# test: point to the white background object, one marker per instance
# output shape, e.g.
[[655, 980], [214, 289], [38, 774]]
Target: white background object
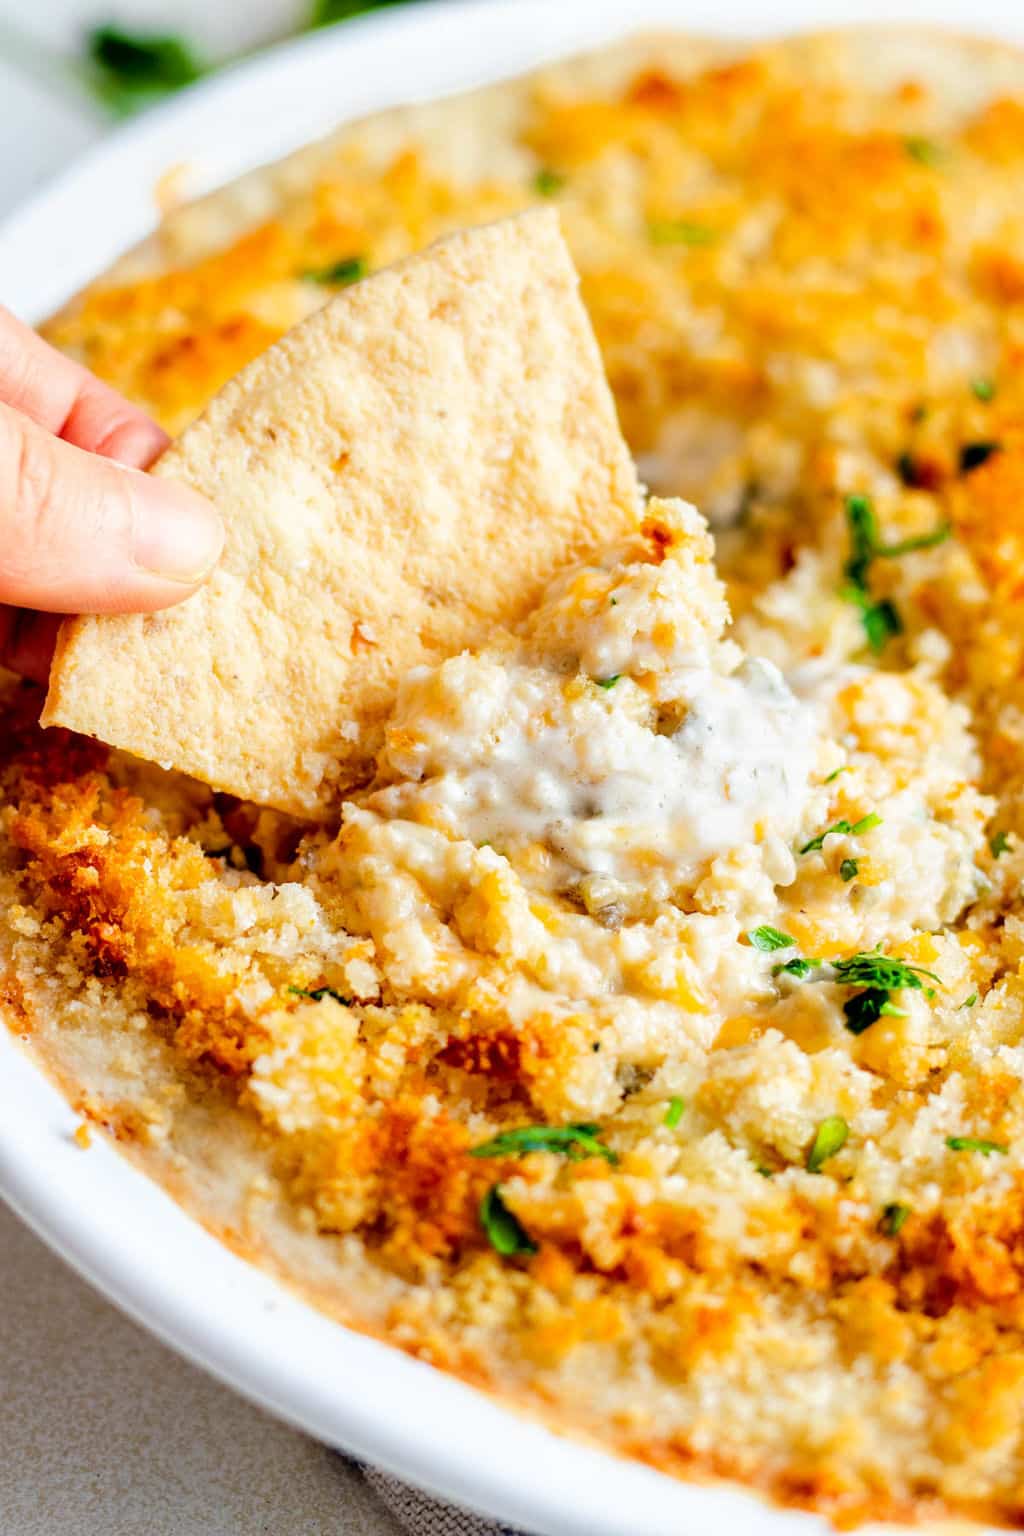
[[102, 1430]]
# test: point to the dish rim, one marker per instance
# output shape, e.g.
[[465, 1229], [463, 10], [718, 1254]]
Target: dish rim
[[110, 1221]]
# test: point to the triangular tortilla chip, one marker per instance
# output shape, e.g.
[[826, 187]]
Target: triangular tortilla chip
[[402, 472]]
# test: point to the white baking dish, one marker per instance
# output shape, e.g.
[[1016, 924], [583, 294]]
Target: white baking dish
[[121, 1231]]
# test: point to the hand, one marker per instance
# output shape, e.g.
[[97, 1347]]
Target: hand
[[82, 530]]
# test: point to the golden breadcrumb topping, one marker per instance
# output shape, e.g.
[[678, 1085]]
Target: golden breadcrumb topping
[[646, 1041]]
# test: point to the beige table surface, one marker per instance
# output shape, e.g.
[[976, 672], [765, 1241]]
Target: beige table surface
[[104, 1432]]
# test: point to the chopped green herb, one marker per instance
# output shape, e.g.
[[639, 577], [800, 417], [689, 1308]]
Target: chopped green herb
[[937, 535], [924, 151], [767, 938], [674, 1113], [973, 455], [505, 1231], [848, 869], [130, 71], [863, 529], [975, 1144], [836, 772], [573, 1141], [983, 389], [893, 1216], [798, 967], [829, 1138], [319, 993], [968, 1002], [874, 969], [765, 1172], [880, 619], [680, 232], [547, 183], [338, 274], [843, 828], [881, 623], [608, 682], [865, 1009], [879, 975], [998, 843], [815, 844]]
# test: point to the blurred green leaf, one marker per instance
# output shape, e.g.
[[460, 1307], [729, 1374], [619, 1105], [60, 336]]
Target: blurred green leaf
[[129, 71], [326, 12]]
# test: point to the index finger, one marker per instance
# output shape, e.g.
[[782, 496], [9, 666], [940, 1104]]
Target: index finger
[[66, 399]]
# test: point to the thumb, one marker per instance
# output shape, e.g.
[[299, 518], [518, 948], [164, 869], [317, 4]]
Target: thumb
[[82, 534]]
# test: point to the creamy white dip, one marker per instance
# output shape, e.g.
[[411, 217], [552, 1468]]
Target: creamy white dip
[[525, 758]]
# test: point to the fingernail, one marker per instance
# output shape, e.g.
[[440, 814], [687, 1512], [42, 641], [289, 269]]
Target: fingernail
[[178, 534]]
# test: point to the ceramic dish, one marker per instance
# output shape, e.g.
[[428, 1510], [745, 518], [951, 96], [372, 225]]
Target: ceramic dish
[[120, 1230]]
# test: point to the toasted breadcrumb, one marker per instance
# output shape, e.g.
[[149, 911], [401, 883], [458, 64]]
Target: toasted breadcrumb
[[806, 275]]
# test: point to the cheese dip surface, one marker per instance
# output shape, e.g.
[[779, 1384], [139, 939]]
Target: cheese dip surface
[[644, 1040]]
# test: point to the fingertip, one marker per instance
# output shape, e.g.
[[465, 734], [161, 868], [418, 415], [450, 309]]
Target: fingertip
[[136, 443], [178, 534]]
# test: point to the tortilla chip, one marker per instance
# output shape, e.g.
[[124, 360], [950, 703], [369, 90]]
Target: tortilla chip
[[402, 472]]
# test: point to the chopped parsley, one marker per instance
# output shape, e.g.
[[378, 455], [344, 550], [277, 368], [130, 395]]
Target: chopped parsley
[[875, 969], [937, 535], [674, 1113], [924, 151], [879, 975], [998, 843], [768, 939], [319, 993], [867, 1007], [836, 772], [338, 274], [680, 232], [863, 530], [976, 1144], [848, 869], [843, 828], [798, 967], [983, 389], [879, 616], [572, 1141], [547, 183], [881, 622], [968, 1002], [129, 70], [893, 1216], [973, 455], [829, 1138], [608, 682], [505, 1231]]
